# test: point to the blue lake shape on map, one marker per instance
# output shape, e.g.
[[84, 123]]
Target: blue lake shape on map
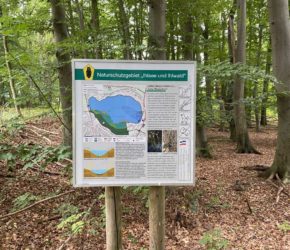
[[114, 112]]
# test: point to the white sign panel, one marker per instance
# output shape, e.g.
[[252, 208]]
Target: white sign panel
[[134, 122]]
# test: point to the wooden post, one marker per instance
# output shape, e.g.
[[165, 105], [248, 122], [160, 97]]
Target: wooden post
[[113, 218], [156, 217], [157, 38]]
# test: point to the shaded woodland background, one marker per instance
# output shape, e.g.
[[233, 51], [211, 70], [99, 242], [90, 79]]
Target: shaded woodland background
[[242, 105]]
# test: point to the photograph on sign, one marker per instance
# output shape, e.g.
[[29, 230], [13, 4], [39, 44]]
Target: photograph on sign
[[134, 122]]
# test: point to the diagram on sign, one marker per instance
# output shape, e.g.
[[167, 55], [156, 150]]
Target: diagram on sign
[[185, 104], [185, 92], [111, 111], [184, 119], [184, 131]]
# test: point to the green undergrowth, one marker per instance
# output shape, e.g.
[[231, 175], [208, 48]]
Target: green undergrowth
[[32, 155]]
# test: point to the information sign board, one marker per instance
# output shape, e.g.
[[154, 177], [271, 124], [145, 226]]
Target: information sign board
[[134, 123]]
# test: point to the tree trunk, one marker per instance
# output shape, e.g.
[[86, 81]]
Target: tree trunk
[[64, 68], [229, 89], [243, 141], [202, 148], [255, 92], [157, 24], [80, 12], [96, 29], [157, 30], [9, 67], [10, 77], [265, 87], [124, 27], [280, 34], [208, 87]]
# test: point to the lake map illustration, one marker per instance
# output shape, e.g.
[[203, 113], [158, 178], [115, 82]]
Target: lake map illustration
[[114, 111]]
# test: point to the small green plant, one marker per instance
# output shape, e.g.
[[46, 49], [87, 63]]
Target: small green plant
[[192, 199], [285, 226], [73, 223], [32, 155], [66, 210], [23, 201], [213, 240], [215, 202]]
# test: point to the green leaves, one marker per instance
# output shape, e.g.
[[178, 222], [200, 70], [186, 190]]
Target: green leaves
[[213, 240], [23, 201], [31, 155]]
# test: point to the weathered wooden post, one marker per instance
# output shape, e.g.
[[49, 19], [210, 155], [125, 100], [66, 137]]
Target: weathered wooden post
[[157, 28], [113, 218]]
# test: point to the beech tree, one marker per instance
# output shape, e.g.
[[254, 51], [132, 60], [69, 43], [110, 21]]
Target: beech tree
[[64, 68], [242, 137], [280, 34]]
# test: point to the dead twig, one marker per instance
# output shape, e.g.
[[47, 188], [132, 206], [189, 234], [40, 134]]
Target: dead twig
[[40, 135], [278, 187], [278, 193], [37, 203], [69, 160], [43, 130], [44, 171], [249, 206]]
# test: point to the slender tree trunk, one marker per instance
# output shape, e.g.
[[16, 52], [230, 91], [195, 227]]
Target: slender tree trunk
[[243, 141], [157, 38], [280, 37], [255, 92], [10, 77], [124, 27], [229, 89], [265, 87], [208, 87], [202, 148], [80, 12], [96, 29], [64, 68]]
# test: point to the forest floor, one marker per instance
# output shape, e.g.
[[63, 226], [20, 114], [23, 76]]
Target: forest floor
[[231, 203]]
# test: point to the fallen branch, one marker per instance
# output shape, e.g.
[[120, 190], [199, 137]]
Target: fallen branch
[[42, 136], [278, 194], [43, 130], [256, 168], [44, 171], [278, 187], [249, 206], [69, 160], [37, 203]]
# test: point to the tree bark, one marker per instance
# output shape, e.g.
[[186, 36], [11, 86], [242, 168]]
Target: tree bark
[[280, 34], [265, 87], [124, 27], [157, 24], [96, 29], [79, 8], [243, 141], [229, 89], [10, 77], [64, 68], [157, 30], [255, 92]]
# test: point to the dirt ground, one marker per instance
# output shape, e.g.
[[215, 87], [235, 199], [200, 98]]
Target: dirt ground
[[242, 206]]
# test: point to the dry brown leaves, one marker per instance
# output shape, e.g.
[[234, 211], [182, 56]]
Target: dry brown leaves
[[226, 197]]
